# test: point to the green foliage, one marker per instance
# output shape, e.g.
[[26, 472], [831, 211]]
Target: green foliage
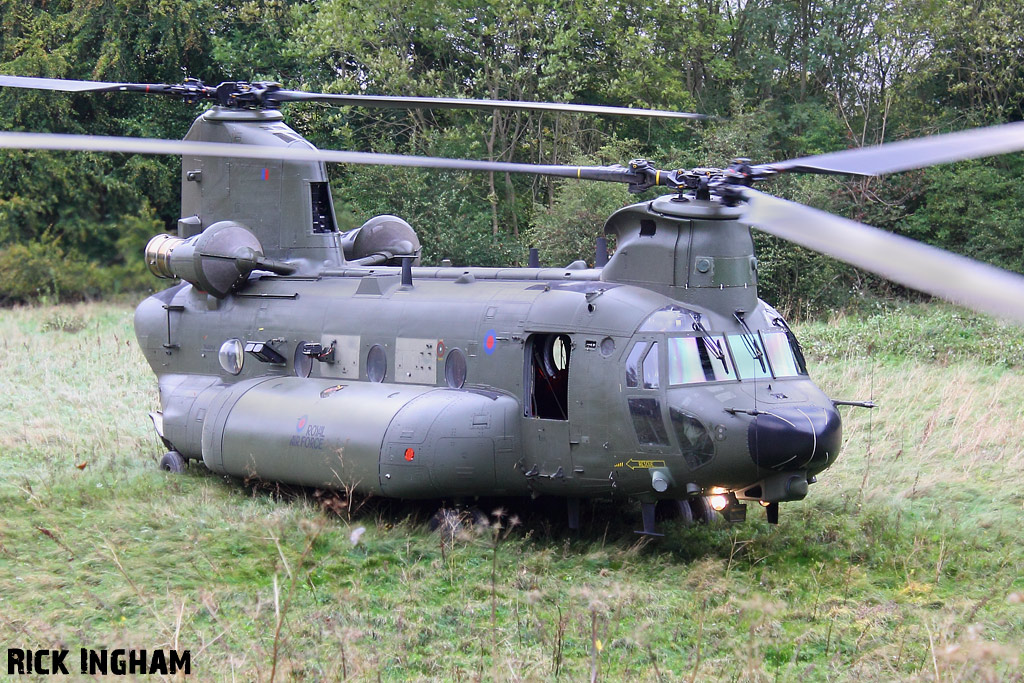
[[791, 79], [85, 202], [977, 65], [927, 333], [975, 208], [567, 230], [40, 272]]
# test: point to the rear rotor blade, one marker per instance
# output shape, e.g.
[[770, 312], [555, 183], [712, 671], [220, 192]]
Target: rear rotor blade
[[908, 154], [395, 102], [60, 84], [97, 143], [937, 272], [272, 95]]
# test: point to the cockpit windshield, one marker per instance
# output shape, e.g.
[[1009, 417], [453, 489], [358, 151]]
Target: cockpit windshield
[[764, 354], [704, 356]]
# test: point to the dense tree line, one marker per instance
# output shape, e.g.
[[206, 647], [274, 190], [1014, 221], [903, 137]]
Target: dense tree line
[[788, 77]]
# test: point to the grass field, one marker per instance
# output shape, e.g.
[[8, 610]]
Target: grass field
[[905, 562]]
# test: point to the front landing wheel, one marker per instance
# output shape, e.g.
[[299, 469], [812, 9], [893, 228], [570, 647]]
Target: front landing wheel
[[703, 513], [172, 462]]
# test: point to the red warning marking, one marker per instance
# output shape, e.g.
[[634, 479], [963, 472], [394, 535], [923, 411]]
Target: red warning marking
[[409, 454]]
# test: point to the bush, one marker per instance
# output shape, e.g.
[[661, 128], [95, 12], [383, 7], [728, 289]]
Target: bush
[[38, 272]]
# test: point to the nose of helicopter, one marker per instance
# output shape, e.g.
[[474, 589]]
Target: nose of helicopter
[[795, 437]]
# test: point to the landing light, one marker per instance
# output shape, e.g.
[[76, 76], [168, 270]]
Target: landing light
[[719, 502]]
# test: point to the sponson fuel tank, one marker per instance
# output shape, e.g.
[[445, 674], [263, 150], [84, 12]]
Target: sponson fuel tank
[[377, 438]]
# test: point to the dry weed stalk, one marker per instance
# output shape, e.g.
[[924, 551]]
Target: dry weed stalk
[[281, 611]]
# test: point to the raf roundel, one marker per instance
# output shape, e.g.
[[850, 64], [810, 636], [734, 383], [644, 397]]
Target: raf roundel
[[490, 342], [301, 424]]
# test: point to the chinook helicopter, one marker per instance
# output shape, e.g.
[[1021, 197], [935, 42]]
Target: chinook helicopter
[[296, 353]]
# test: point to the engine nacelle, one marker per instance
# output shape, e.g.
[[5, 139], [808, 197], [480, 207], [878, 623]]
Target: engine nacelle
[[217, 261], [383, 237]]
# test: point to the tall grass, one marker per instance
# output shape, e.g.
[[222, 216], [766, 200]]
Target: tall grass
[[904, 563]]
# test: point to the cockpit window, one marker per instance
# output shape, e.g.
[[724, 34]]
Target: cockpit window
[[647, 421], [651, 368], [694, 440], [633, 364], [780, 354], [697, 359], [669, 319]]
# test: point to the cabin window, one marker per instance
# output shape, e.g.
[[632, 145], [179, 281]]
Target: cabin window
[[455, 369], [376, 363], [547, 379], [647, 421], [301, 363], [670, 319]]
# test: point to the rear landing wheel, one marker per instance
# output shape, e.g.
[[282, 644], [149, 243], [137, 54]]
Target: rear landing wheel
[[172, 462], [450, 521]]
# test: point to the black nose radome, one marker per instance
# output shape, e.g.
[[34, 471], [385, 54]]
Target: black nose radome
[[795, 438]]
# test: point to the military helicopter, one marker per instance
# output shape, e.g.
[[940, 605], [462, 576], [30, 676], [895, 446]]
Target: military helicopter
[[295, 353]]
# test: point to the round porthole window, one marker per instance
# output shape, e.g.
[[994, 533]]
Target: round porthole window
[[556, 354], [455, 369], [302, 364], [231, 356], [376, 363]]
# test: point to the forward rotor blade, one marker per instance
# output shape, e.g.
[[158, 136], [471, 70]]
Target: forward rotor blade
[[395, 102], [97, 143], [937, 272], [906, 155]]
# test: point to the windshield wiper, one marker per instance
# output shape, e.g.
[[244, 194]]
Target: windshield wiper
[[711, 342], [752, 348]]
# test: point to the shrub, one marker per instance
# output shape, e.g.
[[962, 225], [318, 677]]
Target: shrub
[[39, 272]]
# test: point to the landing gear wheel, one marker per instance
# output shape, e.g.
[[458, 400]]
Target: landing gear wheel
[[703, 513], [675, 511], [474, 516], [172, 462], [450, 521]]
